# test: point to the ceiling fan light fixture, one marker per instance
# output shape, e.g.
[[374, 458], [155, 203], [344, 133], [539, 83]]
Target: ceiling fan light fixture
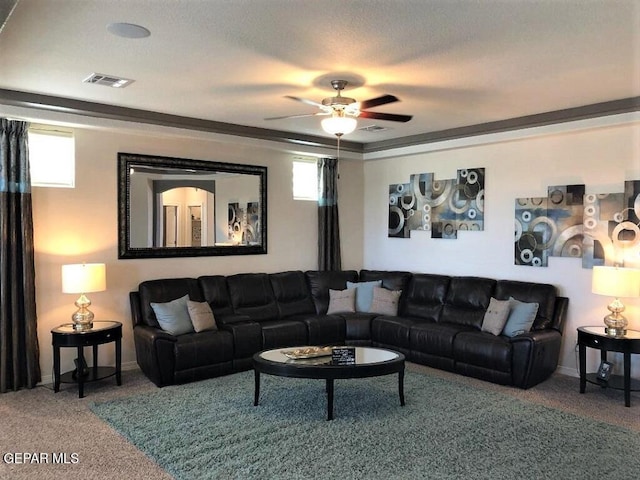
[[339, 125]]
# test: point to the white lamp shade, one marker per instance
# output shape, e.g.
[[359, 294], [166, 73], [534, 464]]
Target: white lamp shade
[[84, 278], [339, 125], [616, 282]]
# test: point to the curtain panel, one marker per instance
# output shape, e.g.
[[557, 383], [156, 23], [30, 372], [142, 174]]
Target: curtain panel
[[19, 353], [328, 224]]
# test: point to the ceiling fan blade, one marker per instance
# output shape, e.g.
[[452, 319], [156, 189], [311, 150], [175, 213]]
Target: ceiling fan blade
[[392, 117], [374, 102], [298, 116], [307, 101]]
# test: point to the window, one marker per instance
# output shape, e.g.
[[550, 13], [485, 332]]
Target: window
[[51, 158], [305, 179]]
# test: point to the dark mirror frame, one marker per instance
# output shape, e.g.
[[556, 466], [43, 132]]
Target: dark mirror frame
[[125, 163]]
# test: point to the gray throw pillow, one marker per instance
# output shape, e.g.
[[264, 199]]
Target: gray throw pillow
[[201, 316], [385, 302], [342, 301], [521, 317], [496, 316], [173, 316]]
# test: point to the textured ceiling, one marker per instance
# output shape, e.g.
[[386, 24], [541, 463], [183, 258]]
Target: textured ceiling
[[451, 63]]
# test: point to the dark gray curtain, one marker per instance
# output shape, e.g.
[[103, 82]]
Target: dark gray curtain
[[19, 355], [328, 225]]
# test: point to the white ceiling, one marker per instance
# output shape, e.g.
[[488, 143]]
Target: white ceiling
[[452, 63]]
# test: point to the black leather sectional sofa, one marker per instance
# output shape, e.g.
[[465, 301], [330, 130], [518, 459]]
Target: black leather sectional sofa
[[438, 323]]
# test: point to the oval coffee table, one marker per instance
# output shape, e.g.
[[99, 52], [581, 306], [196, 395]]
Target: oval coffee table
[[369, 362]]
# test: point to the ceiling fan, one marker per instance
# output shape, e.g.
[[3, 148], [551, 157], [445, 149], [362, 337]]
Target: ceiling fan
[[347, 108]]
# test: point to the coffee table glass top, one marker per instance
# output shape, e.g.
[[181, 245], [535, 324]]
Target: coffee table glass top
[[364, 356]]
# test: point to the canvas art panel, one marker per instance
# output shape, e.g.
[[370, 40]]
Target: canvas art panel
[[442, 207], [600, 229]]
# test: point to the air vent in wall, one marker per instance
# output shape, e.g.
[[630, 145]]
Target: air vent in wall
[[372, 128], [107, 80]]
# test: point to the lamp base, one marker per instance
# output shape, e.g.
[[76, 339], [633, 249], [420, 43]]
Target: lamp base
[[616, 332], [83, 317], [616, 325]]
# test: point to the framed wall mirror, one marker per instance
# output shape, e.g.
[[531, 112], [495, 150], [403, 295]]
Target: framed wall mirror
[[176, 207]]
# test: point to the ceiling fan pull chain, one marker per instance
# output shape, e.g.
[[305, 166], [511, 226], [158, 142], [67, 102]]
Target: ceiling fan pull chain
[[338, 158]]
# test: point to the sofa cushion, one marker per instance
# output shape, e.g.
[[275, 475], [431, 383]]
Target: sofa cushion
[[205, 348], [385, 302], [435, 338], [467, 300], [393, 331], [425, 296], [364, 294], [201, 316], [215, 291], [483, 350], [251, 294], [283, 333], [291, 293], [358, 328], [247, 338], [320, 282], [341, 301], [325, 329], [162, 291], [521, 317], [541, 293], [391, 280], [173, 316], [496, 316]]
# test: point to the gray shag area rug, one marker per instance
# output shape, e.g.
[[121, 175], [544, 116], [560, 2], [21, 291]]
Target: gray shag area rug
[[447, 430]]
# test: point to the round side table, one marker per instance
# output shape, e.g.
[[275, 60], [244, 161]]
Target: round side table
[[102, 332], [597, 337]]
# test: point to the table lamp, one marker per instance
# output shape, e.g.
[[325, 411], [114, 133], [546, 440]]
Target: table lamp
[[616, 282], [83, 278]]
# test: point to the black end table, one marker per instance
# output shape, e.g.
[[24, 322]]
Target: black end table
[[102, 332], [596, 337]]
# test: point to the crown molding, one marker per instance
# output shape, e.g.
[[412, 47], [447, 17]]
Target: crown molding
[[99, 110], [614, 107], [112, 112]]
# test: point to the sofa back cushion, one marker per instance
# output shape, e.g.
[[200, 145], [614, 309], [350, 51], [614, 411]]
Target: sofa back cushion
[[390, 280], [292, 293], [164, 291], [251, 294], [467, 300], [215, 291], [319, 284], [424, 296], [541, 293]]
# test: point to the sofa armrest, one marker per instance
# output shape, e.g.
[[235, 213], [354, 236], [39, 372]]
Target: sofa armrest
[[223, 320], [136, 310], [535, 356], [155, 353], [247, 338], [560, 313]]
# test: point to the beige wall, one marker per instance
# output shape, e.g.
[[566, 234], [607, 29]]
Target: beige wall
[[80, 225], [601, 157]]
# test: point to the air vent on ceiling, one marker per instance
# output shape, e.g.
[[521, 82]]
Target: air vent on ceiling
[[107, 80], [372, 128]]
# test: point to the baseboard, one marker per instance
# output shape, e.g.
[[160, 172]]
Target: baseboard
[[571, 372], [47, 379]]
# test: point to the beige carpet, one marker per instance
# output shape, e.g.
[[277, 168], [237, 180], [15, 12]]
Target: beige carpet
[[41, 421]]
